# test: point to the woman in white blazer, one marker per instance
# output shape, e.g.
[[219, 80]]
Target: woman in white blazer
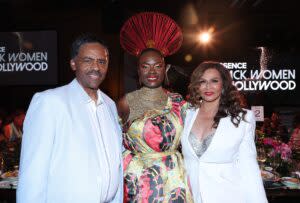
[[218, 141]]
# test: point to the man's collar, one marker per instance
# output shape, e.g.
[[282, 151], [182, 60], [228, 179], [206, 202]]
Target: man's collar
[[99, 98], [82, 96]]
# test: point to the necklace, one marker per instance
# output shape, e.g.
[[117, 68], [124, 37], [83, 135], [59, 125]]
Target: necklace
[[144, 100]]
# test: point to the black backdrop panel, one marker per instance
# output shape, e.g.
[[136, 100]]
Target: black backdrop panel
[[28, 58]]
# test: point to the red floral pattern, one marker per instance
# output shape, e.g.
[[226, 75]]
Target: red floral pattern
[[152, 169]]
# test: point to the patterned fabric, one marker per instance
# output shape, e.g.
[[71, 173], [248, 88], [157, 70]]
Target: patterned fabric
[[153, 168]]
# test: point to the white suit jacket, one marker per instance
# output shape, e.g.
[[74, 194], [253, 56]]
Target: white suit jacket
[[60, 160], [228, 171]]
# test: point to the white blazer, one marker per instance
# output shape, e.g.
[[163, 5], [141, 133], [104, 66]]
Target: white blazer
[[228, 171], [60, 159]]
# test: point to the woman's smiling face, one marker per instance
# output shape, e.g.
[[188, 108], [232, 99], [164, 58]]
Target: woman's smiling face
[[151, 69]]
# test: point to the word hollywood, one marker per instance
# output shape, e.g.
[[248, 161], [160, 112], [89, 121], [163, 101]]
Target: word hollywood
[[20, 61], [266, 79]]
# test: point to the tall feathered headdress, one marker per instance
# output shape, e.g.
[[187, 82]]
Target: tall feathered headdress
[[151, 30]]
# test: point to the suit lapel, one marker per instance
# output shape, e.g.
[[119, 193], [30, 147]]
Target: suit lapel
[[218, 137], [190, 119], [78, 101], [213, 141]]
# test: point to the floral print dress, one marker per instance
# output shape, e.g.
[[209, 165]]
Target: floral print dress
[[153, 168]]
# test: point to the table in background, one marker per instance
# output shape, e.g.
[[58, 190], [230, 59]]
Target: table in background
[[283, 195], [7, 195], [274, 195]]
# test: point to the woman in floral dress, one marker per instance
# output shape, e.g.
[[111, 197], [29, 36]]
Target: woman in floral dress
[[153, 121]]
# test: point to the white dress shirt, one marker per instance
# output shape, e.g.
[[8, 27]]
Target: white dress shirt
[[108, 182]]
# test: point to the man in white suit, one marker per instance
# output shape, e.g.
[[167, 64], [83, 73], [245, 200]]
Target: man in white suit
[[71, 147]]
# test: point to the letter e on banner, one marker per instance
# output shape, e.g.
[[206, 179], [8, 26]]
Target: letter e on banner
[[258, 112]]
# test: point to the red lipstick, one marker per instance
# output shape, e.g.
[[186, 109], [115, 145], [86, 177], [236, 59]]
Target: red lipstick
[[208, 93]]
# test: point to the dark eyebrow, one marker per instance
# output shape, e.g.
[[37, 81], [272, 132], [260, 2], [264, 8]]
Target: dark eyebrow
[[91, 58], [151, 64], [86, 57], [211, 78]]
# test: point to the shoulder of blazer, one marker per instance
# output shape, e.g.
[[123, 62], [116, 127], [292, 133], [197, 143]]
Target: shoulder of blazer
[[110, 104], [190, 112], [55, 95], [249, 117], [107, 99], [191, 109], [248, 121]]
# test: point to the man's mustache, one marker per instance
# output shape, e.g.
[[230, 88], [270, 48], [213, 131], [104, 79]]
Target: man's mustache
[[94, 72]]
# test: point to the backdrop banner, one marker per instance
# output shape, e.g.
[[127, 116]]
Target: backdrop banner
[[28, 58]]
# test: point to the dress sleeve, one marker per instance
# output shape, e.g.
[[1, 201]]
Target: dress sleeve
[[37, 142], [248, 167]]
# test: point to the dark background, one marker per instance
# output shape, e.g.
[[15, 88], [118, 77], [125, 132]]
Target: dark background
[[238, 24]]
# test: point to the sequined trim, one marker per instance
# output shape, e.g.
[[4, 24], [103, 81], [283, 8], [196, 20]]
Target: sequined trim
[[200, 146]]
